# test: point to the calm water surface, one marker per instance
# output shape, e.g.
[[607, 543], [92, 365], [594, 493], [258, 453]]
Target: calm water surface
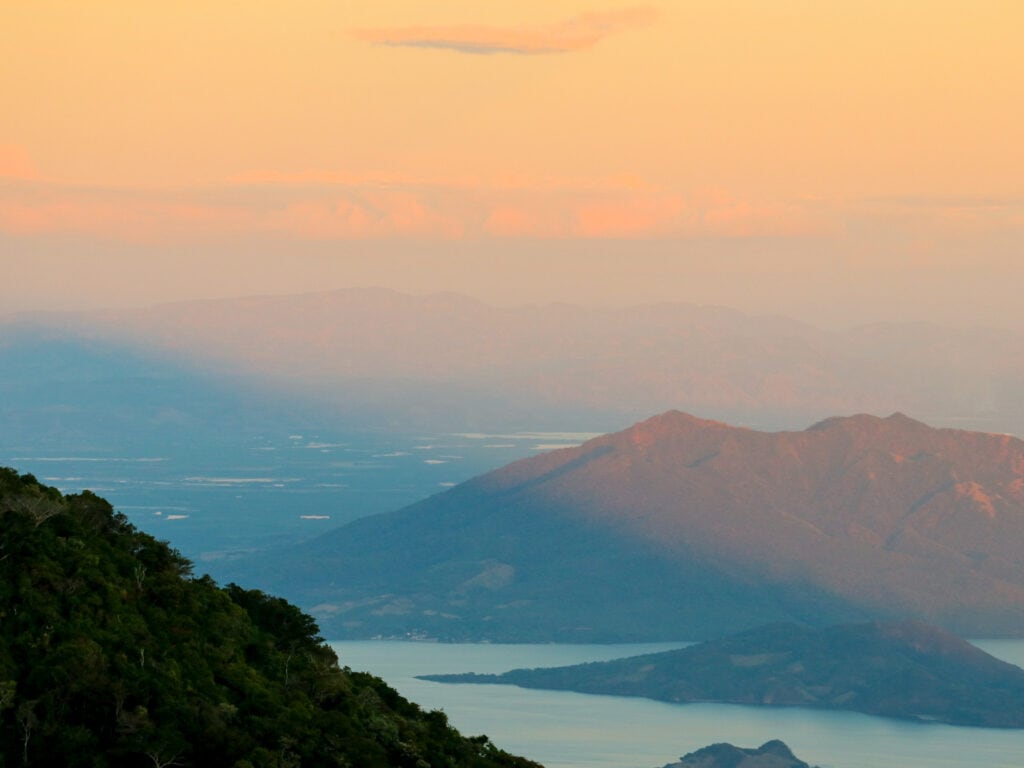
[[572, 730]]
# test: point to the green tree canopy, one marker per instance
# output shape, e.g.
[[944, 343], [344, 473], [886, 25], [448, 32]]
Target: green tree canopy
[[113, 654]]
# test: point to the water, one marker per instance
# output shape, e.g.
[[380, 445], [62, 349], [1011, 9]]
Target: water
[[250, 493], [571, 730]]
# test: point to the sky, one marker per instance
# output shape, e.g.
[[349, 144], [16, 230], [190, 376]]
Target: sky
[[843, 161]]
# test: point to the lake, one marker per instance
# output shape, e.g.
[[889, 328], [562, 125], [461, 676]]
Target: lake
[[572, 730]]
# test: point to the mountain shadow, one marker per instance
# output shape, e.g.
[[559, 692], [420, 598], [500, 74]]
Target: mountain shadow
[[682, 528]]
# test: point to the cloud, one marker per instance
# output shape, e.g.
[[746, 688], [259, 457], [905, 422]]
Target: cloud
[[632, 215], [324, 206], [573, 34], [15, 163], [515, 220], [758, 218], [30, 209], [386, 214], [141, 221]]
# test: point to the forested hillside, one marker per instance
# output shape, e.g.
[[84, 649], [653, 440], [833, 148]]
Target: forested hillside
[[113, 654]]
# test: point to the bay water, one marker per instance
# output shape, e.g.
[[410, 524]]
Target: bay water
[[572, 730]]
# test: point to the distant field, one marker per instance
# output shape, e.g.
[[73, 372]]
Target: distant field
[[251, 493]]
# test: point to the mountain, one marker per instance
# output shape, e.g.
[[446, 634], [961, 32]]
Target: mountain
[[166, 442], [60, 390], [771, 754], [684, 528], [111, 654], [218, 464], [906, 670], [445, 360]]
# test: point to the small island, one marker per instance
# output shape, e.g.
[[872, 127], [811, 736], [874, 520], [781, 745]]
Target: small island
[[907, 670], [771, 754]]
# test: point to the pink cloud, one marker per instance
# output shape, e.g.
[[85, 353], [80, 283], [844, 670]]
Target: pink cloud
[[63, 216], [408, 214], [366, 207], [320, 220], [632, 215], [377, 215], [15, 163], [348, 213], [33, 208], [743, 218], [573, 34], [515, 220], [94, 214]]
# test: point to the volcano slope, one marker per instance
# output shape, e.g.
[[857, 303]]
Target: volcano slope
[[682, 528]]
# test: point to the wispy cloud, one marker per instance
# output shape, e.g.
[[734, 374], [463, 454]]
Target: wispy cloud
[[323, 205], [573, 34], [141, 216]]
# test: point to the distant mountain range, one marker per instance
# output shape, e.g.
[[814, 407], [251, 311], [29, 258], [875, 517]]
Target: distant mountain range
[[683, 528], [445, 360], [906, 670], [63, 390]]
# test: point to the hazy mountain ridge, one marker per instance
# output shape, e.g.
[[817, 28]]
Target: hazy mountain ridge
[[680, 527], [63, 389], [371, 347], [235, 461], [907, 670]]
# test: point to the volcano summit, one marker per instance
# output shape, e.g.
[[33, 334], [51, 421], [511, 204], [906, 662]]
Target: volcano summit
[[678, 527]]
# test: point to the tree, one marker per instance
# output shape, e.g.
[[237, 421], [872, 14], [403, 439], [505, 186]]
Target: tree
[[112, 653]]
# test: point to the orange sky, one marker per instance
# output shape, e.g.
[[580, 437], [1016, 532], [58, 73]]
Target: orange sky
[[764, 154]]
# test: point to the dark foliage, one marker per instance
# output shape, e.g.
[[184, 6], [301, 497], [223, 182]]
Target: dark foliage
[[113, 654]]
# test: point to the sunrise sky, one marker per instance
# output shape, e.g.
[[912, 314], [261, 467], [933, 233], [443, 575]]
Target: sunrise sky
[[837, 161]]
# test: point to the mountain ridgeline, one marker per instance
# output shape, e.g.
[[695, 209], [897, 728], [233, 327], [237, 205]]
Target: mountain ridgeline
[[682, 528], [445, 361], [112, 654]]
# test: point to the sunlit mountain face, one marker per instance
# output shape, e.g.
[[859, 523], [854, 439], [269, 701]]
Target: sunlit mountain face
[[680, 527]]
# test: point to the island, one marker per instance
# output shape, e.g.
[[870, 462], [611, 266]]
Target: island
[[771, 754], [908, 670]]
